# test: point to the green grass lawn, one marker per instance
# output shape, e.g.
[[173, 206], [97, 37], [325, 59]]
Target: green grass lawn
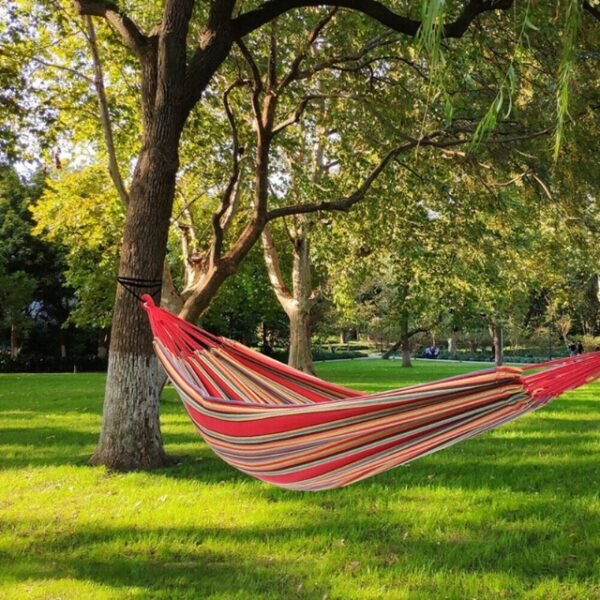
[[512, 514]]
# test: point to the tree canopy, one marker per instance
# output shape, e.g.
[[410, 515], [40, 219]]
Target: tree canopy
[[455, 134]]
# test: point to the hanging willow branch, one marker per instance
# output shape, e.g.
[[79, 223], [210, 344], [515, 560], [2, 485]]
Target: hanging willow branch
[[565, 70]]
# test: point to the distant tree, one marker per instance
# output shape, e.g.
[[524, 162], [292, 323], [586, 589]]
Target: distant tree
[[81, 212], [36, 265], [16, 294]]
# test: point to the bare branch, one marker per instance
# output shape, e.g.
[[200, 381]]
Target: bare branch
[[257, 88], [272, 64], [113, 164], [298, 112], [74, 72], [124, 26], [253, 19], [342, 204], [230, 189], [334, 61], [310, 40]]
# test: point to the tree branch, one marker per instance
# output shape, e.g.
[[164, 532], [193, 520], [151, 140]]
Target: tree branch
[[113, 164], [343, 204], [333, 62], [230, 190], [273, 264], [257, 88], [298, 112], [248, 22], [431, 139], [310, 40], [74, 72], [593, 10], [214, 46], [171, 53], [124, 26]]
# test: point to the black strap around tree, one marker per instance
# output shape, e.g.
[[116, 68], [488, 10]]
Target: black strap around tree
[[133, 285]]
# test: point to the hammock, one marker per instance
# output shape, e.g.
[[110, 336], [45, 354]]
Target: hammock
[[296, 431]]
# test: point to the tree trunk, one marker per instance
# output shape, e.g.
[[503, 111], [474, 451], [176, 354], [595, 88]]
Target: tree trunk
[[298, 302], [405, 342], [451, 345], [498, 340], [130, 436], [14, 341], [103, 343], [406, 360], [63, 344], [265, 345], [299, 314], [300, 356]]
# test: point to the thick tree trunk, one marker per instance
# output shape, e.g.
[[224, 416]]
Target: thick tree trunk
[[130, 436]]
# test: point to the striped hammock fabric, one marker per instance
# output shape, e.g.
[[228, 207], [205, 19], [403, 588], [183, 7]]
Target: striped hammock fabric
[[296, 431]]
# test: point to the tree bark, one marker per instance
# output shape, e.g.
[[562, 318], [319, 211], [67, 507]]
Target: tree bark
[[130, 436], [300, 356], [405, 342], [303, 300], [451, 345], [14, 341], [297, 302], [497, 335], [406, 360]]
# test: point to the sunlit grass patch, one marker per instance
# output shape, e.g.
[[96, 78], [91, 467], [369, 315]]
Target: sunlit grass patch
[[511, 514]]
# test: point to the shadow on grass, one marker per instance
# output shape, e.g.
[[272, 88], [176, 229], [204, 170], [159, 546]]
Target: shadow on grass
[[522, 456], [159, 572], [536, 455], [529, 543]]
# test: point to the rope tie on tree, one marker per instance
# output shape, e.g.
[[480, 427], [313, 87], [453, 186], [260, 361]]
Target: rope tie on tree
[[132, 285]]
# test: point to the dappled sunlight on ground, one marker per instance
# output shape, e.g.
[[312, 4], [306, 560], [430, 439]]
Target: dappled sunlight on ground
[[513, 513]]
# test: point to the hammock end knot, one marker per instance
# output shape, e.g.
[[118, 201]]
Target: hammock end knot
[[147, 301]]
